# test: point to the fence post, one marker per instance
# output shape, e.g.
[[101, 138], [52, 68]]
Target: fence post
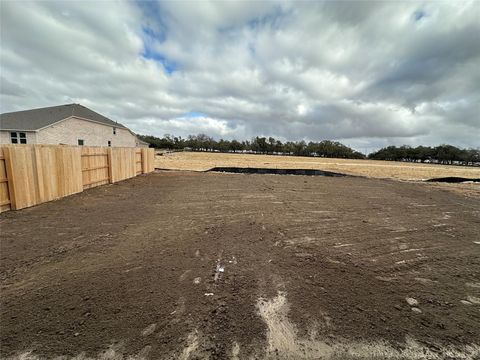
[[10, 177], [110, 165]]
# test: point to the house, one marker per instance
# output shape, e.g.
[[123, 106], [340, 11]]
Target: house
[[71, 124]]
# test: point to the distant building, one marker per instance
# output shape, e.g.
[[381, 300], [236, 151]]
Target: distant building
[[71, 124]]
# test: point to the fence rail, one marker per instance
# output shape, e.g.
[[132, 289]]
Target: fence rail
[[33, 174]]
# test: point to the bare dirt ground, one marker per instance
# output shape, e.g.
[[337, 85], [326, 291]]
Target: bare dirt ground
[[184, 265], [201, 161]]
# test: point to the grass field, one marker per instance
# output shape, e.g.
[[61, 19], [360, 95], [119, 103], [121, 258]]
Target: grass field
[[369, 168]]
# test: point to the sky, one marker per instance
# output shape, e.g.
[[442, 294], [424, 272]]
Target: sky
[[368, 74]]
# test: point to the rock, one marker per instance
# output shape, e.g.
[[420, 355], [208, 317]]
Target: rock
[[411, 301], [474, 300], [149, 330], [417, 310]]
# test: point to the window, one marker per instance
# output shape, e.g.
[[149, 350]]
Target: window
[[109, 143], [80, 142], [18, 137], [114, 131]]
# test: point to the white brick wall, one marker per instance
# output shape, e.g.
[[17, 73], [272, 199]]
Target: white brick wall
[[69, 131], [5, 137]]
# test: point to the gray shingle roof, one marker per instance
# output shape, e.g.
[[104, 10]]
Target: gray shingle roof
[[38, 118]]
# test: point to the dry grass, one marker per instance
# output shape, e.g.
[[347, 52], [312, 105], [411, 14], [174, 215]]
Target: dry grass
[[370, 168]]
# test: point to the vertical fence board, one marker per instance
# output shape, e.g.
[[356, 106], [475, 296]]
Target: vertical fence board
[[4, 191], [43, 189], [138, 161], [110, 165], [151, 160], [9, 172]]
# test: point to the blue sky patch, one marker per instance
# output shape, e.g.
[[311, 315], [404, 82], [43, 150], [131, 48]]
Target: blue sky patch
[[154, 31], [150, 35], [168, 66]]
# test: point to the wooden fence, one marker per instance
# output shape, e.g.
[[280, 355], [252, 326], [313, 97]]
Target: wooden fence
[[4, 195], [33, 174]]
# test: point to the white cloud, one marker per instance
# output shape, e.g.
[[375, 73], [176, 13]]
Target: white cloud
[[367, 73]]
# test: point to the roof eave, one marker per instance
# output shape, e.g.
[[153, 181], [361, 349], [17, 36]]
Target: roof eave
[[1, 129], [84, 119]]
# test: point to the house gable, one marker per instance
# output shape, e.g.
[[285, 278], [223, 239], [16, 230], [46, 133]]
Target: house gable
[[91, 133]]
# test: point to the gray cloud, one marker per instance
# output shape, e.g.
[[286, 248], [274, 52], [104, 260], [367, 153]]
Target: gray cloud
[[366, 73]]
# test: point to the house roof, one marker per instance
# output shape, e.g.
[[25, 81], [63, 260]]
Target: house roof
[[140, 141], [36, 119]]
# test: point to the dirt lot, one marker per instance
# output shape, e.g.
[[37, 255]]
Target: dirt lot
[[184, 265], [371, 168]]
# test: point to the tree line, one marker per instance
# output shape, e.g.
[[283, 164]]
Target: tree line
[[443, 154], [258, 145]]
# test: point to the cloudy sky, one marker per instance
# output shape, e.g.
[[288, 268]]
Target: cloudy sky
[[368, 74]]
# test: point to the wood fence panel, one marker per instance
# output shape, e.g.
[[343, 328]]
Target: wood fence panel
[[69, 170], [148, 157], [4, 194], [95, 166], [123, 164], [33, 174], [57, 171], [22, 174], [40, 173]]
